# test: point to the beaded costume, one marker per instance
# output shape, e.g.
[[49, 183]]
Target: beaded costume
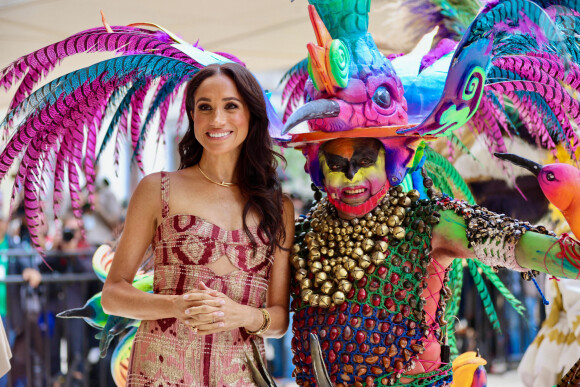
[[361, 285], [183, 245], [375, 321]]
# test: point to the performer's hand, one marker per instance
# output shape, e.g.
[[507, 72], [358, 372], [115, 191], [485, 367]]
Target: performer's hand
[[197, 306]]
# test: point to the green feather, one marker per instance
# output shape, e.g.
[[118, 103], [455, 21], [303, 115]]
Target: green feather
[[455, 140], [450, 173], [484, 294], [496, 281], [455, 282], [438, 175]]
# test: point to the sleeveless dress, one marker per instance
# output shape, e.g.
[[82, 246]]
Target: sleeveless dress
[[166, 352]]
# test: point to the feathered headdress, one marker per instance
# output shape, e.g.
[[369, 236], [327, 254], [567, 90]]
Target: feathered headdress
[[54, 129]]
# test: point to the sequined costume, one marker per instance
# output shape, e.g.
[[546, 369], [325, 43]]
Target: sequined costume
[[166, 352]]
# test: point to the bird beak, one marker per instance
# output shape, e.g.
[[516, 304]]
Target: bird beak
[[321, 108], [86, 311], [531, 166]]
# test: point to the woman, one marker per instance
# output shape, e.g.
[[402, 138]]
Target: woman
[[221, 230]]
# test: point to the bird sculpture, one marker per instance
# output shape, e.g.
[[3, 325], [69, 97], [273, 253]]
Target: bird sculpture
[[560, 183]]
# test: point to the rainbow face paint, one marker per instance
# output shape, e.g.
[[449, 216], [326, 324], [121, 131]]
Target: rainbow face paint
[[354, 173]]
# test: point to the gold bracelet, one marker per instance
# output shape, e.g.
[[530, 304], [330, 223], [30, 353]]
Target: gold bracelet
[[265, 324]]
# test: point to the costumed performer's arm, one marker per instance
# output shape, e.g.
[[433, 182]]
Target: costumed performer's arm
[[519, 251]]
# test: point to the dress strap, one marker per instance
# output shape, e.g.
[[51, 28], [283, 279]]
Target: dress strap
[[164, 194]]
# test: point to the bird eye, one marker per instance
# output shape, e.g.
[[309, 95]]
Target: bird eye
[[550, 176], [382, 97]]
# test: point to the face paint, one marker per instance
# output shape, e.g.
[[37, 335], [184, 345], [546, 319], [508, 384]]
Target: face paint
[[354, 174]]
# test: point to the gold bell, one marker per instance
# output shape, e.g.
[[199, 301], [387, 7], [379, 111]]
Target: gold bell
[[344, 286], [357, 253], [320, 277], [341, 273], [350, 264], [358, 273], [368, 244], [382, 246], [382, 229], [393, 220], [314, 299], [364, 261], [326, 287], [338, 298], [314, 254], [315, 266], [305, 295], [324, 302], [300, 274], [378, 258], [399, 232]]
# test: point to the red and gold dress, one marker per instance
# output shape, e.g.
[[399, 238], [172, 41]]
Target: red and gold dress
[[166, 352]]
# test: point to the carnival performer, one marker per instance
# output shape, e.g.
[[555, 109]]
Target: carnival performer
[[373, 261], [220, 231]]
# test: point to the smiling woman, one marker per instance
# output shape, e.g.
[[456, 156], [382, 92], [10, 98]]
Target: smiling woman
[[220, 231]]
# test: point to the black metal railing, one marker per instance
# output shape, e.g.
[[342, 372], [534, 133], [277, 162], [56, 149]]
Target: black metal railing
[[48, 351]]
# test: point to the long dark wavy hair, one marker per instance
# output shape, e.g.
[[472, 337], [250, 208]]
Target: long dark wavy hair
[[256, 167]]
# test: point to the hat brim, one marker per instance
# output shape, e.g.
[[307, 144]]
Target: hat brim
[[300, 139]]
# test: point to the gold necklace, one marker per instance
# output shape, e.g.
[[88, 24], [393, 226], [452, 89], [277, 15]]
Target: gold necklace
[[222, 184]]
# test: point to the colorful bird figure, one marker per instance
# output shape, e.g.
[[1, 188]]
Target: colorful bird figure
[[468, 370], [559, 182]]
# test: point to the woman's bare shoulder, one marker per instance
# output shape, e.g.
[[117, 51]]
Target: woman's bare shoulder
[[182, 176], [149, 184], [148, 191]]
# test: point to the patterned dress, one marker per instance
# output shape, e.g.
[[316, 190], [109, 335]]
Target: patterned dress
[[166, 352]]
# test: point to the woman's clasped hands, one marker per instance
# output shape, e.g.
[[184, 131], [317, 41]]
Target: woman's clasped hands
[[208, 311]]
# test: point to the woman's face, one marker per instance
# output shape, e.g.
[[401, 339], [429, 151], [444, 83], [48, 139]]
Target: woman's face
[[220, 116]]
